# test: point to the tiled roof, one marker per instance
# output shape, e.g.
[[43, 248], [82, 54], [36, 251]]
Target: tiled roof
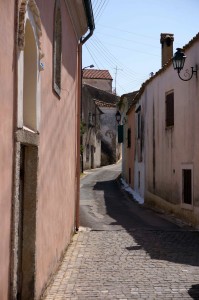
[[96, 74], [100, 95], [130, 97], [104, 104]]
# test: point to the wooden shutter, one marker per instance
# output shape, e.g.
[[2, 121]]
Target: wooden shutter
[[170, 109]]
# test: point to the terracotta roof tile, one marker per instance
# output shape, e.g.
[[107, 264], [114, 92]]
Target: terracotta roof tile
[[96, 74], [104, 104]]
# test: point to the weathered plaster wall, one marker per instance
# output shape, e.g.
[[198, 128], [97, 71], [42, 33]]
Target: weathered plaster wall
[[57, 150], [108, 133], [7, 69], [102, 84], [91, 136]]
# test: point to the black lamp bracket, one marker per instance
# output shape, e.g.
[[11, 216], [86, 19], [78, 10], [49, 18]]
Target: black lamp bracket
[[187, 75]]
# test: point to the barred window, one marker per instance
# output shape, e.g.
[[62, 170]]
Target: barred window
[[170, 109], [57, 49]]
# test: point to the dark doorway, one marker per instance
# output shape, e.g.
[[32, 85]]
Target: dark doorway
[[27, 222]]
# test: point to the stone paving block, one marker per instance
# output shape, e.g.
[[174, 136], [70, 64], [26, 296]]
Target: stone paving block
[[105, 265]]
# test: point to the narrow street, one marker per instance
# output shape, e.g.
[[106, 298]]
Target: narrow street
[[124, 250]]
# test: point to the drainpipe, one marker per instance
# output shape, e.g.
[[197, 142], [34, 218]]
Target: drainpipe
[[90, 21], [91, 26]]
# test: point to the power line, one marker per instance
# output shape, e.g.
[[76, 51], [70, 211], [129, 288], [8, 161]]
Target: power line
[[97, 8], [128, 40], [130, 32], [92, 56], [114, 59], [102, 10]]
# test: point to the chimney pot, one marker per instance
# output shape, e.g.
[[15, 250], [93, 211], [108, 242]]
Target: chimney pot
[[166, 39]]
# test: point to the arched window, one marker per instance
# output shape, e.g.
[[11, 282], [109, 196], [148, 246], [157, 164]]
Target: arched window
[[57, 49]]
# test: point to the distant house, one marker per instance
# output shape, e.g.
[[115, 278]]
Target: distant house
[[40, 75], [99, 127], [166, 120], [100, 79], [109, 150], [129, 132]]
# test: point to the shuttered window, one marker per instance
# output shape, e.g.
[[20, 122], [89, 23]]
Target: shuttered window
[[170, 109]]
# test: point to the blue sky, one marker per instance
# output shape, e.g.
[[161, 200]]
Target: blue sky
[[127, 36]]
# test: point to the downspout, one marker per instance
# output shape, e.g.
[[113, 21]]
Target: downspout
[[90, 21], [91, 26]]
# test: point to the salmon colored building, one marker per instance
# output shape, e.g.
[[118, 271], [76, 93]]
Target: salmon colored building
[[40, 74]]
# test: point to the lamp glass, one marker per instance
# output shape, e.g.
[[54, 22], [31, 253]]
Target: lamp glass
[[118, 116], [178, 60]]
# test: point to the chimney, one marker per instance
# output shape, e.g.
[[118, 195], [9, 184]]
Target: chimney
[[166, 39]]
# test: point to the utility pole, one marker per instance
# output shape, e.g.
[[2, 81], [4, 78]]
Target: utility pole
[[116, 69]]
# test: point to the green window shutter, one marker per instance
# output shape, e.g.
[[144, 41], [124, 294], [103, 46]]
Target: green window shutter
[[120, 133]]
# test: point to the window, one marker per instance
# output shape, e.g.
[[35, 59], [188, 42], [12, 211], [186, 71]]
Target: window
[[140, 128], [170, 109], [129, 138], [187, 186], [57, 50]]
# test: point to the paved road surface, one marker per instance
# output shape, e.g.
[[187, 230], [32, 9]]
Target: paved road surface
[[125, 251]]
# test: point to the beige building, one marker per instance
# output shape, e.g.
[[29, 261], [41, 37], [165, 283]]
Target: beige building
[[169, 107], [99, 127], [100, 79], [40, 76]]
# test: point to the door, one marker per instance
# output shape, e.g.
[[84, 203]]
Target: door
[[27, 222]]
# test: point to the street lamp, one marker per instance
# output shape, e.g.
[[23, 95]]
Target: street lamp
[[178, 64], [118, 116], [81, 134], [91, 66]]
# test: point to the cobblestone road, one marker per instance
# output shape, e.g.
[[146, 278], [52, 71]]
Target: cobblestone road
[[129, 263]]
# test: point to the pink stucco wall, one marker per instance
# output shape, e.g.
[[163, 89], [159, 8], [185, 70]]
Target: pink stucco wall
[[6, 148], [57, 151]]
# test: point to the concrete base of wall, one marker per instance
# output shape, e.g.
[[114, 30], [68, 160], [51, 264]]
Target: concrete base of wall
[[190, 216]]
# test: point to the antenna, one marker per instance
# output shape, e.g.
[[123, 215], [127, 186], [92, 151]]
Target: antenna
[[116, 69]]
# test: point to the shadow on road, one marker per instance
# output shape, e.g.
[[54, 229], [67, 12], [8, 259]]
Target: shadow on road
[[161, 239], [194, 291]]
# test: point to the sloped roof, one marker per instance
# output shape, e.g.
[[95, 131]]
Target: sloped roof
[[96, 74], [101, 95], [104, 104], [164, 67], [130, 97]]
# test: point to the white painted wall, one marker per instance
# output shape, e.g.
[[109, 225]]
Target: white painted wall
[[167, 149]]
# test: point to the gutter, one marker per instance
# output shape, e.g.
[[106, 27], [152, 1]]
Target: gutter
[[90, 20]]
